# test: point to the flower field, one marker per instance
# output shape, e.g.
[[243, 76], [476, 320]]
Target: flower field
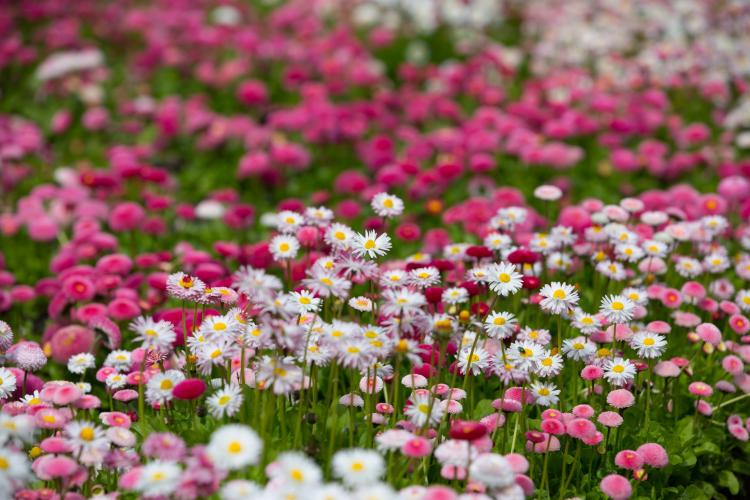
[[374, 249]]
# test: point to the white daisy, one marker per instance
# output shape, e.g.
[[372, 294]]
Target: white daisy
[[617, 309], [558, 297], [159, 478], [545, 394], [504, 279], [648, 345], [371, 244], [387, 205], [7, 383], [357, 467], [226, 401], [284, 247], [79, 363], [234, 446], [500, 325], [619, 371]]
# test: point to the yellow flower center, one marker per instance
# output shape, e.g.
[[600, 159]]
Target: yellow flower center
[[559, 294], [499, 321], [618, 368], [388, 203], [284, 247], [504, 277], [220, 326], [224, 400], [87, 434], [150, 332], [234, 447], [297, 475], [370, 244], [618, 306], [648, 341], [543, 391], [358, 466], [166, 384]]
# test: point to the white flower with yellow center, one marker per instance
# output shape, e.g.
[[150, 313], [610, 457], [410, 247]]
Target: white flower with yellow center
[[234, 446]]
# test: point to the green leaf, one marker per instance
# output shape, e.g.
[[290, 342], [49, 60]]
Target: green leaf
[[692, 492], [728, 480]]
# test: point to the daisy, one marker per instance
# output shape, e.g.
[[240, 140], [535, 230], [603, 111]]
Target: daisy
[[612, 270], [318, 216], [548, 364], [524, 354], [295, 470], [688, 267], [159, 387], [563, 235], [477, 275], [284, 247], [214, 353], [288, 222], [423, 410], [220, 328], [558, 297], [585, 322], [742, 299], [637, 295], [509, 217], [578, 349], [158, 478], [304, 302], [619, 371], [401, 301], [393, 278], [545, 394], [115, 381], [500, 325], [538, 335], [184, 286], [559, 261], [358, 467], [387, 205], [476, 361], [648, 345], [654, 248], [226, 401], [14, 471], [154, 334], [278, 373], [355, 354], [339, 236], [617, 309], [716, 263], [371, 244], [542, 243], [629, 253], [456, 251], [84, 436], [424, 276], [20, 429], [325, 284], [7, 383], [234, 446], [256, 283], [497, 241], [455, 295], [362, 304], [504, 279]]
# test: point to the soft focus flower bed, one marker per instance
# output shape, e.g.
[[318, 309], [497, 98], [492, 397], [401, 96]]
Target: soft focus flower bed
[[344, 249]]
